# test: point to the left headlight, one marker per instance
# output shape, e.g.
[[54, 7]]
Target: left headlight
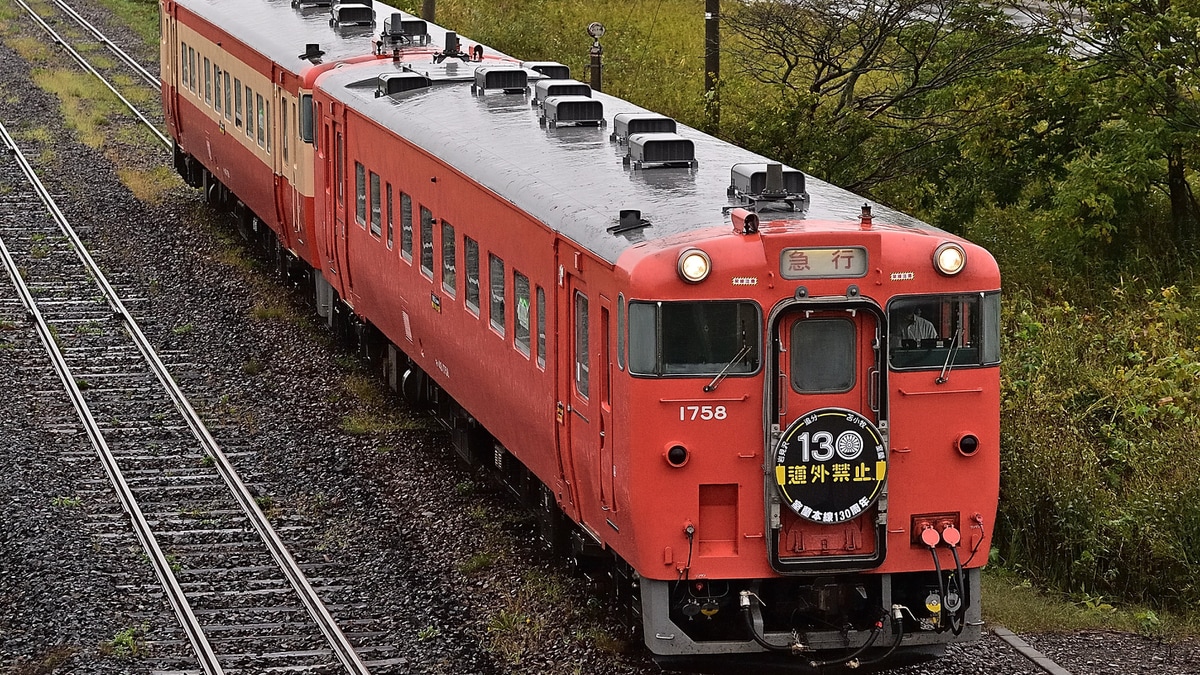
[[694, 265], [949, 259]]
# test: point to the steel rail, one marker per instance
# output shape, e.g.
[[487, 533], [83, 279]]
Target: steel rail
[[162, 566], [129, 60], [316, 609], [88, 66]]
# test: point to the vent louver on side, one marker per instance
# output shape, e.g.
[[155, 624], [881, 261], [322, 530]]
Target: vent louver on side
[[628, 124], [657, 149], [509, 79], [544, 89], [397, 83], [551, 69], [574, 110]]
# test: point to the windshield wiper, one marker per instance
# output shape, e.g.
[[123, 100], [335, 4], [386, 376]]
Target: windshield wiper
[[721, 375], [942, 379]]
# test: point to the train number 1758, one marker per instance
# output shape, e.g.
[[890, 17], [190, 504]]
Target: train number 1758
[[702, 412]]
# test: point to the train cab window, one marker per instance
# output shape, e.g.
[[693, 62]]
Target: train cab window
[[217, 87], [391, 229], [228, 98], [823, 356], [471, 253], [694, 338], [541, 322], [521, 315], [496, 292], [207, 82], [376, 206], [449, 260], [237, 101], [406, 227], [582, 379], [360, 194], [426, 242], [944, 331]]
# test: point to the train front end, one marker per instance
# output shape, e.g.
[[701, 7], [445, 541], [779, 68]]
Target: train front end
[[814, 437]]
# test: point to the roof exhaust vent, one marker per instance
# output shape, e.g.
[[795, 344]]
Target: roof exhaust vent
[[572, 110], [402, 29], [398, 83], [301, 4], [551, 69], [452, 50], [312, 52], [767, 186], [544, 89], [511, 80], [628, 124], [357, 13], [662, 150], [630, 219]]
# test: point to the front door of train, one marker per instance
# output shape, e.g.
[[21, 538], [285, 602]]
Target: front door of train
[[829, 454]]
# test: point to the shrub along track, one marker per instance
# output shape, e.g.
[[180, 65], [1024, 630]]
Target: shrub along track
[[433, 547]]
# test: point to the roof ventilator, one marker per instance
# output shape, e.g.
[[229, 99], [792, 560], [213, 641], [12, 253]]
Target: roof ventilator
[[312, 52], [660, 150], [357, 13], [628, 124], [631, 219], [398, 83], [402, 30], [452, 50], [551, 69], [544, 89], [511, 80], [571, 110], [767, 187], [311, 3]]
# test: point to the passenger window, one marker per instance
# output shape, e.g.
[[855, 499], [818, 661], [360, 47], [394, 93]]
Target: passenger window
[[521, 314], [541, 321], [269, 127], [183, 65], [406, 227], [229, 101], [390, 227], [360, 194], [262, 120], [823, 356], [217, 86], [340, 161], [192, 69], [621, 331], [250, 113], [237, 100], [496, 291], [472, 256], [581, 344], [376, 206], [427, 242], [283, 129], [449, 262], [207, 82]]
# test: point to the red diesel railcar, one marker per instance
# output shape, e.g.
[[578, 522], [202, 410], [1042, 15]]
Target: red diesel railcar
[[770, 406]]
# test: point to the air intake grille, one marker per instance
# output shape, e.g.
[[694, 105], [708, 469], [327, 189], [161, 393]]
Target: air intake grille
[[395, 83], [353, 15], [551, 69], [628, 124], [578, 110], [661, 150], [508, 79], [544, 89], [751, 179]]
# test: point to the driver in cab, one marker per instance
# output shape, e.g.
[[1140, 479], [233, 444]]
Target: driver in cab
[[917, 327]]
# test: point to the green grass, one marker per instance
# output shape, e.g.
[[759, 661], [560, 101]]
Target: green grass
[[87, 109], [140, 15]]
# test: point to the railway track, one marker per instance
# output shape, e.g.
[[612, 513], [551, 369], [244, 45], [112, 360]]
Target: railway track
[[244, 603]]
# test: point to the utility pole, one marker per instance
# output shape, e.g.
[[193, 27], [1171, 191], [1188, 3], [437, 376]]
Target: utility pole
[[712, 63], [428, 9], [596, 30]]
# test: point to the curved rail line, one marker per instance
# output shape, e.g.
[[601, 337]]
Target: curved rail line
[[58, 39], [342, 648]]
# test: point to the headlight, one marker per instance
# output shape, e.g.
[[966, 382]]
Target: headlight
[[694, 265], [949, 259]]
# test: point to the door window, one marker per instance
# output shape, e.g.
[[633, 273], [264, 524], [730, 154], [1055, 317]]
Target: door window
[[823, 355]]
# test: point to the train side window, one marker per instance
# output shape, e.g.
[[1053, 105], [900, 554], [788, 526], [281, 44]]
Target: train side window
[[472, 262], [207, 81], [306, 118], [340, 162], [283, 128], [621, 331], [940, 331], [262, 119], [250, 113], [406, 227], [192, 69], [823, 356], [582, 379], [390, 227], [183, 65], [376, 206], [541, 321], [269, 126], [426, 242], [360, 194], [521, 313], [237, 101], [217, 87], [496, 292], [228, 98], [449, 261]]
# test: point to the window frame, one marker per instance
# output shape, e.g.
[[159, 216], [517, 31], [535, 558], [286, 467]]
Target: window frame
[[426, 242], [471, 294], [658, 339], [449, 260], [526, 346], [360, 194], [376, 204], [496, 303]]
